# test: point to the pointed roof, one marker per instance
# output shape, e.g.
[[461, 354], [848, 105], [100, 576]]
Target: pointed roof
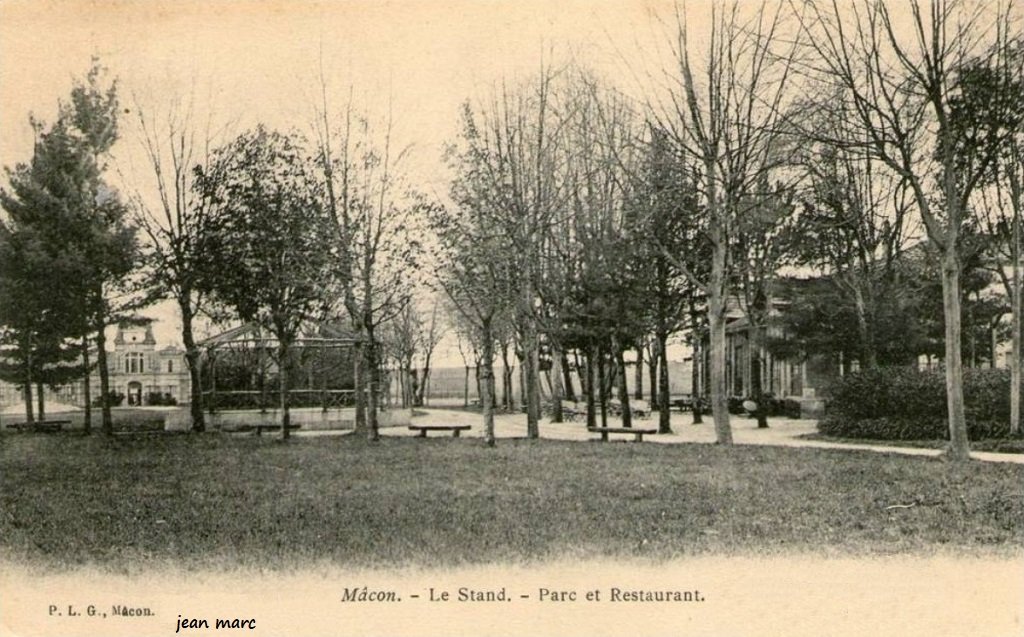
[[327, 334]]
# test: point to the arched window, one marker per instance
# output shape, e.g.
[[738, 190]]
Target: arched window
[[134, 363]]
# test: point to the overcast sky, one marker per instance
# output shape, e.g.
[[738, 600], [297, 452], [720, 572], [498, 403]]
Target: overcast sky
[[252, 62]]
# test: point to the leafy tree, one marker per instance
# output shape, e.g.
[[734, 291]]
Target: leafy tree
[[269, 248], [108, 239], [666, 202], [80, 221], [478, 284], [35, 319]]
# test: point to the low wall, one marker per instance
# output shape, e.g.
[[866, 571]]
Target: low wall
[[310, 418]]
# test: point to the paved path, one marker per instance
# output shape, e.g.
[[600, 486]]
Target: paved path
[[781, 432]]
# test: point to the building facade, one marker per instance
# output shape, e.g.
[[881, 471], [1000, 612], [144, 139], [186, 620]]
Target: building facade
[[144, 373], [140, 372]]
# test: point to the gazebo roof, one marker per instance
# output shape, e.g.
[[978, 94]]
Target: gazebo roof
[[324, 334]]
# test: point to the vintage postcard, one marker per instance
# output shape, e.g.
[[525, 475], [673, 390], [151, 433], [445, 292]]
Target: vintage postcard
[[482, 317]]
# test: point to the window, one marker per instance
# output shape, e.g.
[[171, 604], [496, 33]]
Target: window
[[134, 363], [170, 367]]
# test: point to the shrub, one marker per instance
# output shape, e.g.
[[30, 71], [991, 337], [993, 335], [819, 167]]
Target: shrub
[[773, 406], [114, 399], [902, 403], [157, 398]]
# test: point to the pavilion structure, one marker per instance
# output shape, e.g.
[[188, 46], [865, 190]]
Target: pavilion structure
[[240, 370]]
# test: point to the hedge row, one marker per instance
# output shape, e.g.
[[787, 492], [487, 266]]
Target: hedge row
[[899, 403]]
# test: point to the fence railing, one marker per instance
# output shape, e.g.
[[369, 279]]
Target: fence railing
[[232, 400]]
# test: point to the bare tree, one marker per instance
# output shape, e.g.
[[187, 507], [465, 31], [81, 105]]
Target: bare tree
[[173, 214], [901, 85], [375, 213], [512, 138], [480, 286], [410, 337], [725, 114]]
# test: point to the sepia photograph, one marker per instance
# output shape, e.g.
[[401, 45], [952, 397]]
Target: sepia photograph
[[482, 317]]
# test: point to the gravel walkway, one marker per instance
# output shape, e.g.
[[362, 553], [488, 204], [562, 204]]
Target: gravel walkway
[[781, 432]]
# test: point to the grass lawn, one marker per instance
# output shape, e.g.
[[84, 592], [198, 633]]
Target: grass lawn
[[215, 501]]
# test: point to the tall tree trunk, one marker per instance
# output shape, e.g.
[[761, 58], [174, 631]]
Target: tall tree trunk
[[867, 345], [86, 387], [477, 370], [193, 362], [465, 389], [27, 391], [282, 387], [588, 387], [507, 399], [101, 362], [958, 445], [586, 376], [408, 384], [602, 387], [556, 385], [652, 369], [41, 399], [373, 371], [1015, 356], [261, 362], [627, 414], [638, 374], [756, 385], [570, 392], [359, 384], [1015, 325], [486, 376], [533, 391], [664, 413], [719, 397], [421, 394], [696, 400], [757, 320]]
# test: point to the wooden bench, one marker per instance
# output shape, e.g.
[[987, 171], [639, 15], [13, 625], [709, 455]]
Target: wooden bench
[[572, 411], [42, 426], [455, 429], [637, 432], [260, 428], [684, 404]]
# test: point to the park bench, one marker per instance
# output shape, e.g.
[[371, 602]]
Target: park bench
[[455, 429], [638, 408], [42, 426], [686, 403], [261, 428], [572, 412], [637, 432]]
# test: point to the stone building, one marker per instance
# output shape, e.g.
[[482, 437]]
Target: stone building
[[144, 373], [140, 371]]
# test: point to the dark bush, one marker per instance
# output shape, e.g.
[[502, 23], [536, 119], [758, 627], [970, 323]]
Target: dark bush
[[773, 406], [901, 403], [157, 398], [114, 399]]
